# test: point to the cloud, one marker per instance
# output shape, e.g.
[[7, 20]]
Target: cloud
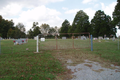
[[108, 9], [64, 8], [88, 1], [72, 11], [11, 10], [90, 12], [96, 5], [29, 11], [27, 3], [41, 15]]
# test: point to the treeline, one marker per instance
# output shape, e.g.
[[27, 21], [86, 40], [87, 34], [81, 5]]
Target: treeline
[[8, 30], [100, 25]]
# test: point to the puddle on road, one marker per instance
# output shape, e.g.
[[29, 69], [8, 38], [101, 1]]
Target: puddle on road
[[90, 70]]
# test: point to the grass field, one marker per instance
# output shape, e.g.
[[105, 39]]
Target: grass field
[[50, 44], [18, 63], [22, 64]]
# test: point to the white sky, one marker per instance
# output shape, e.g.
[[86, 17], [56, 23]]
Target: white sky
[[52, 12]]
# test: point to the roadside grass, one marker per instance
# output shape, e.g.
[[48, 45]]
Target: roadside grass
[[22, 64]]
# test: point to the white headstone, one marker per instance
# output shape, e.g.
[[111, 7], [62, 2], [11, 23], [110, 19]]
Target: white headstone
[[83, 37], [42, 39], [63, 37]]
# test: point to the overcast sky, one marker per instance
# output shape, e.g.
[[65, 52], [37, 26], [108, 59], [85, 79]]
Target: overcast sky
[[52, 12]]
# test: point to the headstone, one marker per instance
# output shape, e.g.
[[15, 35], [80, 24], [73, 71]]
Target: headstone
[[0, 38], [63, 37], [19, 41], [42, 39], [83, 37], [79, 37], [35, 38], [113, 38], [94, 38], [100, 37]]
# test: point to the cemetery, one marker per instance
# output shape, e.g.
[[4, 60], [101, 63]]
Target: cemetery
[[19, 41], [36, 44], [107, 51]]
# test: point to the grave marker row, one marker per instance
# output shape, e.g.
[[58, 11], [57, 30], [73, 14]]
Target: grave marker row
[[20, 41]]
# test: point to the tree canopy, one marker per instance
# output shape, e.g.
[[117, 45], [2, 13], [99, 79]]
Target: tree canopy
[[65, 26], [44, 28], [101, 24], [116, 14]]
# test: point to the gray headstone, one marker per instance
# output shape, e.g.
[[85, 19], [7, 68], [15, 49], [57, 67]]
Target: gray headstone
[[63, 37]]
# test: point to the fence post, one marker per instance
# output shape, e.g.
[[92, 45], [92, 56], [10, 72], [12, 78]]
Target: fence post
[[56, 42], [91, 43], [73, 40], [118, 42], [0, 45], [37, 43]]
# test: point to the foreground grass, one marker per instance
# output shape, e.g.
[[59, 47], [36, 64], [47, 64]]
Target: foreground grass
[[19, 63], [26, 65]]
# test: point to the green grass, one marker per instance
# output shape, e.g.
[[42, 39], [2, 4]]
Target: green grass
[[17, 63], [22, 64], [50, 44], [108, 50]]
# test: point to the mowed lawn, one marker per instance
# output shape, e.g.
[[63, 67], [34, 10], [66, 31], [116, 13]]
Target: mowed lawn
[[52, 44], [107, 49], [18, 63]]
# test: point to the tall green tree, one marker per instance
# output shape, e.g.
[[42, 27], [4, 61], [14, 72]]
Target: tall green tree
[[5, 25], [11, 33], [35, 24], [36, 29], [101, 24], [116, 14], [81, 22], [65, 26], [0, 18], [30, 34]]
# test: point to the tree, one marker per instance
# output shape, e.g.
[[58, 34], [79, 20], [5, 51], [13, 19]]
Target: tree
[[30, 34], [20, 31], [36, 31], [52, 31], [116, 14], [44, 28], [0, 18], [10, 33], [65, 26], [80, 23], [5, 25], [35, 24], [101, 24], [21, 27]]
